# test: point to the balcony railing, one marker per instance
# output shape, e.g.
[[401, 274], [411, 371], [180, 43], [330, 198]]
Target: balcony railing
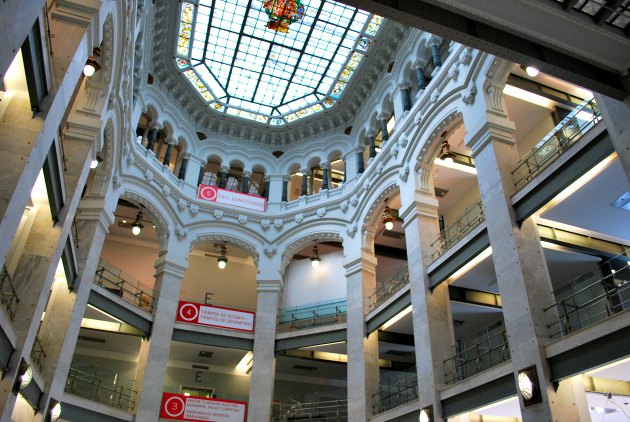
[[38, 354], [583, 302], [332, 410], [557, 142], [305, 316], [101, 385], [396, 393], [389, 287], [471, 218], [8, 296], [485, 352], [123, 285]]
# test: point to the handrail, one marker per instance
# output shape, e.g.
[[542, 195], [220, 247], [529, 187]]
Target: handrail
[[557, 142], [312, 315], [389, 287], [111, 278], [330, 410], [8, 295], [38, 354], [397, 394], [488, 351], [95, 388], [590, 303], [465, 223]]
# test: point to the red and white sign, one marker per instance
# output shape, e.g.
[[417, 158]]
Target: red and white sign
[[232, 198], [178, 407], [215, 316]]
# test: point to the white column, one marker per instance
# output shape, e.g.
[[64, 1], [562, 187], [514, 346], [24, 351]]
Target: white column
[[362, 349]]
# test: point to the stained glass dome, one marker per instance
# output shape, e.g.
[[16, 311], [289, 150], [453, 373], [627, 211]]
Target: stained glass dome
[[242, 68]]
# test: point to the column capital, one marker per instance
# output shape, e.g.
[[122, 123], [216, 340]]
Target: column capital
[[422, 205], [305, 171], [171, 140], [266, 179], [435, 40], [269, 286], [248, 173], [156, 125], [419, 64], [370, 133], [224, 169], [170, 266], [365, 262], [286, 178], [384, 115], [401, 86], [325, 165]]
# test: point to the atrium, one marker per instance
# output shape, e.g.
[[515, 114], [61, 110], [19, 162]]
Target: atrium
[[310, 210]]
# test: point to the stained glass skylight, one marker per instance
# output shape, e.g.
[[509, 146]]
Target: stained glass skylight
[[241, 68]]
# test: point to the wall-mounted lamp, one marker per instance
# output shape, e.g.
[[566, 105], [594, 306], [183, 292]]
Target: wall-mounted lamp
[[54, 410], [446, 155], [528, 386], [92, 65], [23, 378], [426, 414], [531, 71], [95, 162], [315, 259], [136, 226], [388, 219], [222, 260]]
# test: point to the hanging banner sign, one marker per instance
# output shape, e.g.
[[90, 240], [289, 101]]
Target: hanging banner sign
[[232, 198], [179, 407], [215, 316]]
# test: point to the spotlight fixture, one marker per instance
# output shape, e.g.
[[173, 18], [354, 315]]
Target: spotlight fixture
[[92, 65], [23, 378], [388, 219], [95, 162], [426, 414], [222, 260], [315, 259], [528, 386], [531, 71], [54, 410], [446, 155], [136, 226]]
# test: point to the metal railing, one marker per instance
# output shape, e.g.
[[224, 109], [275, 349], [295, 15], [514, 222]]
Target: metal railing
[[115, 281], [584, 302], [38, 354], [389, 287], [100, 385], [397, 393], [471, 218], [485, 352], [290, 319], [8, 296], [331, 410], [560, 139]]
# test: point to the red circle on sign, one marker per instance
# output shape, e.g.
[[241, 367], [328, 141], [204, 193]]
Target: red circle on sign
[[175, 409], [183, 313], [208, 193]]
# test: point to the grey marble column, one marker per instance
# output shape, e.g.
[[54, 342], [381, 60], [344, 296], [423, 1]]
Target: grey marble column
[[616, 115], [183, 167], [360, 163], [437, 61], [325, 176], [264, 365], [285, 189], [372, 145], [362, 349], [267, 180], [422, 85], [154, 128], [170, 142], [406, 99], [304, 191], [384, 118], [154, 352], [245, 181], [223, 176]]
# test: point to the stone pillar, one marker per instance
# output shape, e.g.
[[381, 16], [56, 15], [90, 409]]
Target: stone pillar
[[261, 385], [362, 349], [170, 142], [154, 128], [223, 176], [434, 43], [285, 188], [304, 191], [202, 168], [183, 167], [519, 262], [325, 176], [616, 115], [267, 180], [154, 352], [384, 119], [432, 327], [245, 182], [372, 145], [360, 163], [419, 66], [405, 95]]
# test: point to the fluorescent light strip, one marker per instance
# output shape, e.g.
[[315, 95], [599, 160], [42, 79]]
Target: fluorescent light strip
[[470, 264], [396, 318], [530, 97], [245, 363]]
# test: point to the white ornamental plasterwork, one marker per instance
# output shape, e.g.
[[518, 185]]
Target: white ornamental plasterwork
[[277, 223], [299, 218], [264, 224], [321, 211], [242, 219], [378, 203], [181, 204], [301, 243], [229, 240], [218, 214], [194, 209]]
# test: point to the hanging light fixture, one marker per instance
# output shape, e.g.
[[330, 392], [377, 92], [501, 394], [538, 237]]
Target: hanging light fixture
[[222, 260], [315, 259], [92, 65], [531, 71], [388, 219], [282, 13], [446, 155], [136, 226]]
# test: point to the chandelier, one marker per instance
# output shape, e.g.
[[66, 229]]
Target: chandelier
[[282, 13]]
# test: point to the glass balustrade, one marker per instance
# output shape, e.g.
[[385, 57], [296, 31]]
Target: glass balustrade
[[123, 285], [471, 218]]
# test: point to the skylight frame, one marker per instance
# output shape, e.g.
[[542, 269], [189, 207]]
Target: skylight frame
[[209, 75]]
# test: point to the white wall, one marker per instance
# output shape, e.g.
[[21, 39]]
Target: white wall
[[304, 285]]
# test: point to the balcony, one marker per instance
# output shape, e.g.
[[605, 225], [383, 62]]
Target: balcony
[[472, 217], [316, 314], [332, 410], [8, 296], [389, 287], [123, 285], [396, 393], [582, 119]]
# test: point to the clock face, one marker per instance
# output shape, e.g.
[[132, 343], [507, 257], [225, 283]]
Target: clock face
[[525, 385]]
